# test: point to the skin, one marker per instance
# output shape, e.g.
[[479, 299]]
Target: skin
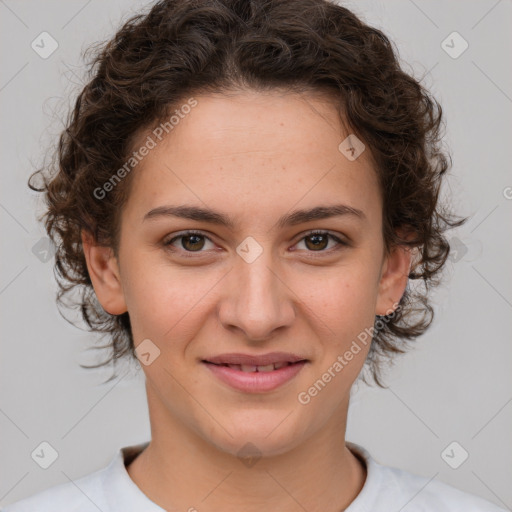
[[255, 157]]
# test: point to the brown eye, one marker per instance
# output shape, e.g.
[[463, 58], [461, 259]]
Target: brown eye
[[317, 241], [188, 242], [192, 242]]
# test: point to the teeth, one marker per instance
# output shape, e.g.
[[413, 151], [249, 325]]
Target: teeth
[[248, 367], [266, 368], [253, 368]]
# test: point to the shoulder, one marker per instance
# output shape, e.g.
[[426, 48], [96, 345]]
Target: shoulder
[[419, 493], [82, 495], [107, 489], [389, 488]]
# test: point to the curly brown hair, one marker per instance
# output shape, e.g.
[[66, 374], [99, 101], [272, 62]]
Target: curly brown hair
[[181, 48]]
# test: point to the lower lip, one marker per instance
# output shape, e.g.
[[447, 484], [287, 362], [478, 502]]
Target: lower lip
[[255, 382]]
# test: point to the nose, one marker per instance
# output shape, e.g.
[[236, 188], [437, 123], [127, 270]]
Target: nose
[[258, 301]]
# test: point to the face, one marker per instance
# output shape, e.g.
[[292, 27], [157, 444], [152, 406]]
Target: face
[[258, 283]]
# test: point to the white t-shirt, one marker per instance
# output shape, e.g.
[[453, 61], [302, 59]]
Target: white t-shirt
[[386, 489]]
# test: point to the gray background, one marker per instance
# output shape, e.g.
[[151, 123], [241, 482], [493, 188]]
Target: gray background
[[455, 386]]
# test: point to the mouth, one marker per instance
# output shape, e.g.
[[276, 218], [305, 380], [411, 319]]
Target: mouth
[[250, 368], [255, 374]]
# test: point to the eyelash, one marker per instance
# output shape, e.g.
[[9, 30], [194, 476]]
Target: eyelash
[[190, 254]]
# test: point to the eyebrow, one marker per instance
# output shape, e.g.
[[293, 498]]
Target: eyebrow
[[289, 219]]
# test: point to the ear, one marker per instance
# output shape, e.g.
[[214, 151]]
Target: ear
[[104, 273], [393, 281]]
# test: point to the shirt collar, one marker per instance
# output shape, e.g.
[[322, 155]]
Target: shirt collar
[[121, 492]]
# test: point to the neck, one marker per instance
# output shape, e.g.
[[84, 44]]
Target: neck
[[183, 471]]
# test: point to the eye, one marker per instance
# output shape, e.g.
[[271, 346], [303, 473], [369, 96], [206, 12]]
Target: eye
[[195, 241], [318, 241], [191, 241]]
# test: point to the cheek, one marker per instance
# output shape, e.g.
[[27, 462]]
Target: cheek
[[148, 295], [344, 299], [346, 314], [165, 302]]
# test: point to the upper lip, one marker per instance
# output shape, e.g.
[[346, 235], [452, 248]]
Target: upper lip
[[261, 360]]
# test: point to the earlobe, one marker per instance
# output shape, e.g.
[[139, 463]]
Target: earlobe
[[104, 273], [393, 280]]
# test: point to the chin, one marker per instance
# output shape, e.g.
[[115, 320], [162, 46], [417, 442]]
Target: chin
[[244, 447], [258, 433]]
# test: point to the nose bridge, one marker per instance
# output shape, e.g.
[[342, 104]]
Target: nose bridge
[[259, 302]]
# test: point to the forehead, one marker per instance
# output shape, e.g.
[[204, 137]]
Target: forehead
[[257, 154]]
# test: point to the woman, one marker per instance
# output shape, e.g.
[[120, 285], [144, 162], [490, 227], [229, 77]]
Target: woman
[[244, 192]]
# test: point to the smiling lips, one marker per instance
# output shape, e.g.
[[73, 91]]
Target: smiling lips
[[255, 374], [257, 368]]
